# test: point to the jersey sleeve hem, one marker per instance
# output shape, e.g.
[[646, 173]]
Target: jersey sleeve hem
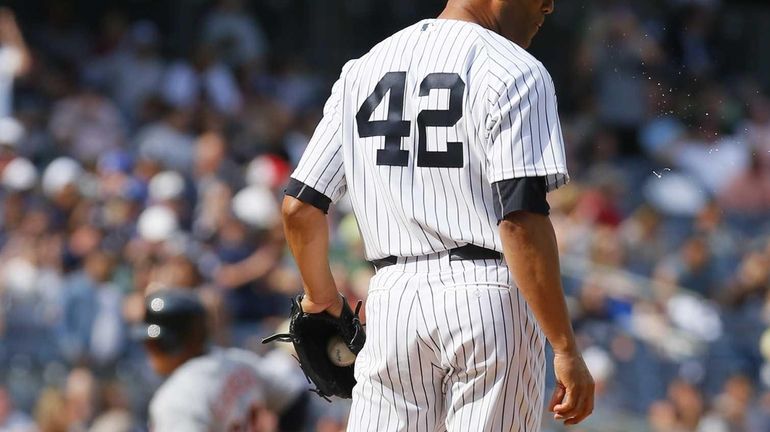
[[555, 177], [308, 195], [520, 194]]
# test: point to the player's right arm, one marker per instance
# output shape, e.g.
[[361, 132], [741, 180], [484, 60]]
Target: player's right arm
[[318, 180], [525, 159]]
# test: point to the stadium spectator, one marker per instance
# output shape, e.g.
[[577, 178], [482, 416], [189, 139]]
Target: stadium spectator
[[11, 419], [748, 191], [50, 411], [87, 124], [202, 81], [15, 59], [235, 35], [133, 70], [168, 142]]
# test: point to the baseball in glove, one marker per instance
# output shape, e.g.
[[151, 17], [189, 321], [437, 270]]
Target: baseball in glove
[[311, 334]]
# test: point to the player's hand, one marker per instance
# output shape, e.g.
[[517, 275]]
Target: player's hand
[[573, 398], [333, 306]]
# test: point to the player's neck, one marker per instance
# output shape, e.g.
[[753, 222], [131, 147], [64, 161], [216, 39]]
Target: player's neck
[[464, 11]]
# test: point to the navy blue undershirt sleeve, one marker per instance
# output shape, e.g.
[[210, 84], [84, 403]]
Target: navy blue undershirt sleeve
[[308, 195], [520, 194]]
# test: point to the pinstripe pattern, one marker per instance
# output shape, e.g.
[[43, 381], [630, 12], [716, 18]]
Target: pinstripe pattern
[[444, 356], [452, 346], [509, 129]]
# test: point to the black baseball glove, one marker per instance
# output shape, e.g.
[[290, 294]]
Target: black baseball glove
[[310, 333]]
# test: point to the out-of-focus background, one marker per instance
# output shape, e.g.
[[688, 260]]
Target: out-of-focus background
[[145, 144]]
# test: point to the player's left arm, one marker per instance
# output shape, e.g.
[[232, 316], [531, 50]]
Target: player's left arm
[[524, 134], [526, 159], [318, 181]]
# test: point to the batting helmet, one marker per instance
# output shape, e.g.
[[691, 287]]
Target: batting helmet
[[172, 319]]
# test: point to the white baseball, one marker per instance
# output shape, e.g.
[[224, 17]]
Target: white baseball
[[339, 353]]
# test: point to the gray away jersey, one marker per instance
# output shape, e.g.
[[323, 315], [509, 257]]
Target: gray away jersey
[[221, 391], [420, 129]]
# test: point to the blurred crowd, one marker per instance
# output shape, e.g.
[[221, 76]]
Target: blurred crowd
[[126, 167]]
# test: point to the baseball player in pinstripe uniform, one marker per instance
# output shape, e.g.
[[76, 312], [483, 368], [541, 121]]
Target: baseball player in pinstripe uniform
[[446, 137]]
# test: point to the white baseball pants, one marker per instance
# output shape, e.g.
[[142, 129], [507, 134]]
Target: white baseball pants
[[451, 346]]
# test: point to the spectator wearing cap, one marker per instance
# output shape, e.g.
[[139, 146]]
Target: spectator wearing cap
[[60, 184], [256, 206], [268, 170], [157, 224], [170, 189], [19, 176], [166, 186]]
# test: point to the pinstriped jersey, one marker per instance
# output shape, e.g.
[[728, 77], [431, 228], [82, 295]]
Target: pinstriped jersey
[[420, 129]]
